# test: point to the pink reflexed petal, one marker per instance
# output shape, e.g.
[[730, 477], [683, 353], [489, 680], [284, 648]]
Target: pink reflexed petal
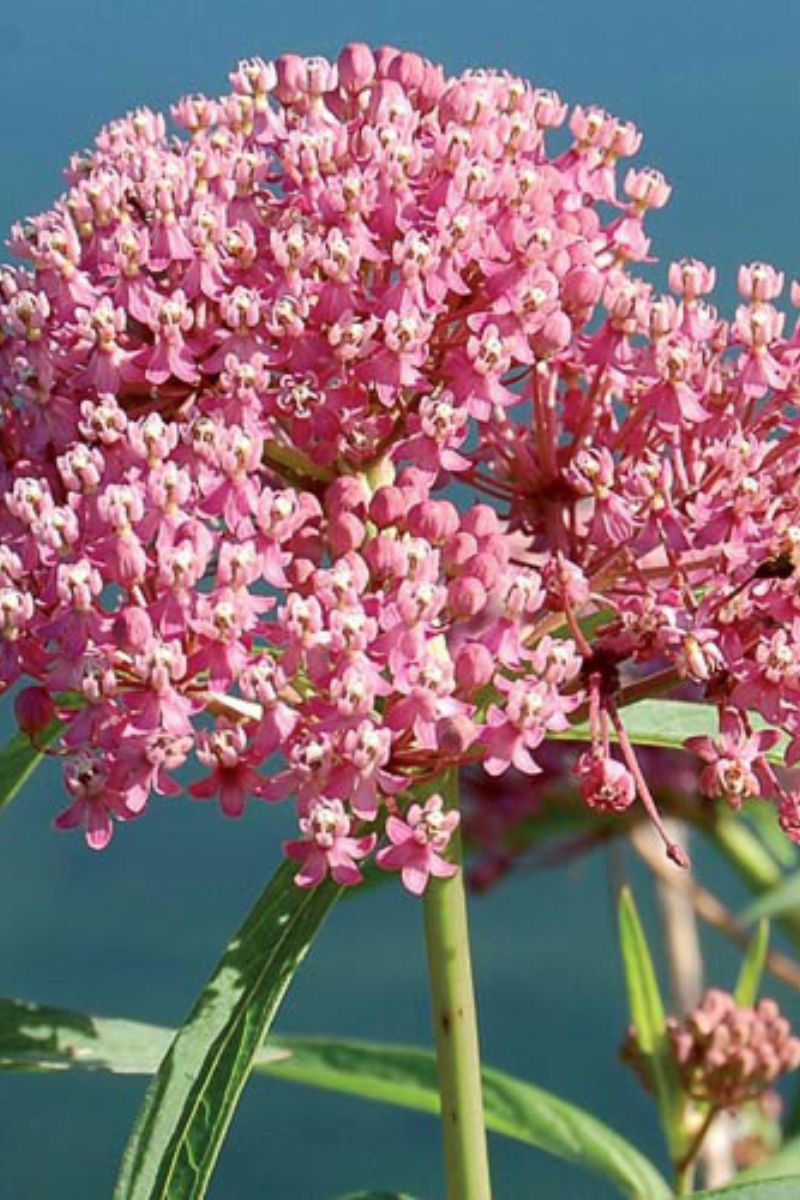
[[441, 868], [392, 858], [522, 760], [359, 847], [99, 827], [364, 801], [398, 831], [232, 797], [495, 766], [205, 789], [297, 850], [704, 747], [71, 817], [166, 786], [415, 878], [136, 800], [313, 871], [344, 870], [450, 820]]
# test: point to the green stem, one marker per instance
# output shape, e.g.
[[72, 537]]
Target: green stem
[[457, 1052], [685, 1166]]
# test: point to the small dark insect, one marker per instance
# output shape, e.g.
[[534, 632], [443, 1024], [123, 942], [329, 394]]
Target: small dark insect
[[781, 566]]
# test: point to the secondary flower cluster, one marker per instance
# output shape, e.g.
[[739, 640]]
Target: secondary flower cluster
[[239, 365], [726, 1054]]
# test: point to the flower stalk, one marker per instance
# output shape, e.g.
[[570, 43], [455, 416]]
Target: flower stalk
[[455, 1023]]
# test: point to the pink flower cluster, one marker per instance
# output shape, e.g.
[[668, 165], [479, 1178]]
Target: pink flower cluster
[[727, 1055], [238, 365]]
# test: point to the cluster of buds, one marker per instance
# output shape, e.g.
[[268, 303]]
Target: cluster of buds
[[240, 365], [726, 1054]]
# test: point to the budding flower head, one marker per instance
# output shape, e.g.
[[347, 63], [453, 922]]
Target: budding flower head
[[727, 1054]]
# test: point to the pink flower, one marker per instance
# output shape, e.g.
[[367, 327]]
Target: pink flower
[[233, 776], [94, 804], [326, 846], [735, 768], [418, 842], [606, 785]]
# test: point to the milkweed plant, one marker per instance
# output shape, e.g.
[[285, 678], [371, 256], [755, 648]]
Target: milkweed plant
[[349, 455]]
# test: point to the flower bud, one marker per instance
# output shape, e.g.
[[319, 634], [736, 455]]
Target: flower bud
[[133, 629], [454, 735], [346, 494], [474, 667], [481, 521], [388, 506], [356, 65], [435, 520], [408, 69], [466, 597], [553, 337], [581, 288], [345, 533], [386, 558], [34, 710], [458, 550], [291, 78]]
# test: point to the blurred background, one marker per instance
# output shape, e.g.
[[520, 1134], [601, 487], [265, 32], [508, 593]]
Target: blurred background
[[135, 931]]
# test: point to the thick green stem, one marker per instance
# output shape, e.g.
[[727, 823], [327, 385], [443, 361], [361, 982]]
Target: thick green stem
[[457, 1052]]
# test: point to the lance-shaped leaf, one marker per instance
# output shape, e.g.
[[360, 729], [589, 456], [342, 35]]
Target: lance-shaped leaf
[[190, 1103], [782, 898], [773, 1189], [377, 1196], [667, 723], [752, 967], [649, 1021], [19, 758], [406, 1075], [38, 1038], [785, 1163]]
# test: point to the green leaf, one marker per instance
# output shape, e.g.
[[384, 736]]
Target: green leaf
[[761, 818], [649, 1020], [37, 1038], [406, 1076], [782, 898], [785, 1163], [377, 1196], [787, 1188], [667, 723], [190, 1103], [19, 759], [752, 967]]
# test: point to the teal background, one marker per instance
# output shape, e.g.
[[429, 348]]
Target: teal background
[[135, 931]]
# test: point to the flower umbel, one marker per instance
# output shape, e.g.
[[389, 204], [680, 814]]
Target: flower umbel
[[240, 366]]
